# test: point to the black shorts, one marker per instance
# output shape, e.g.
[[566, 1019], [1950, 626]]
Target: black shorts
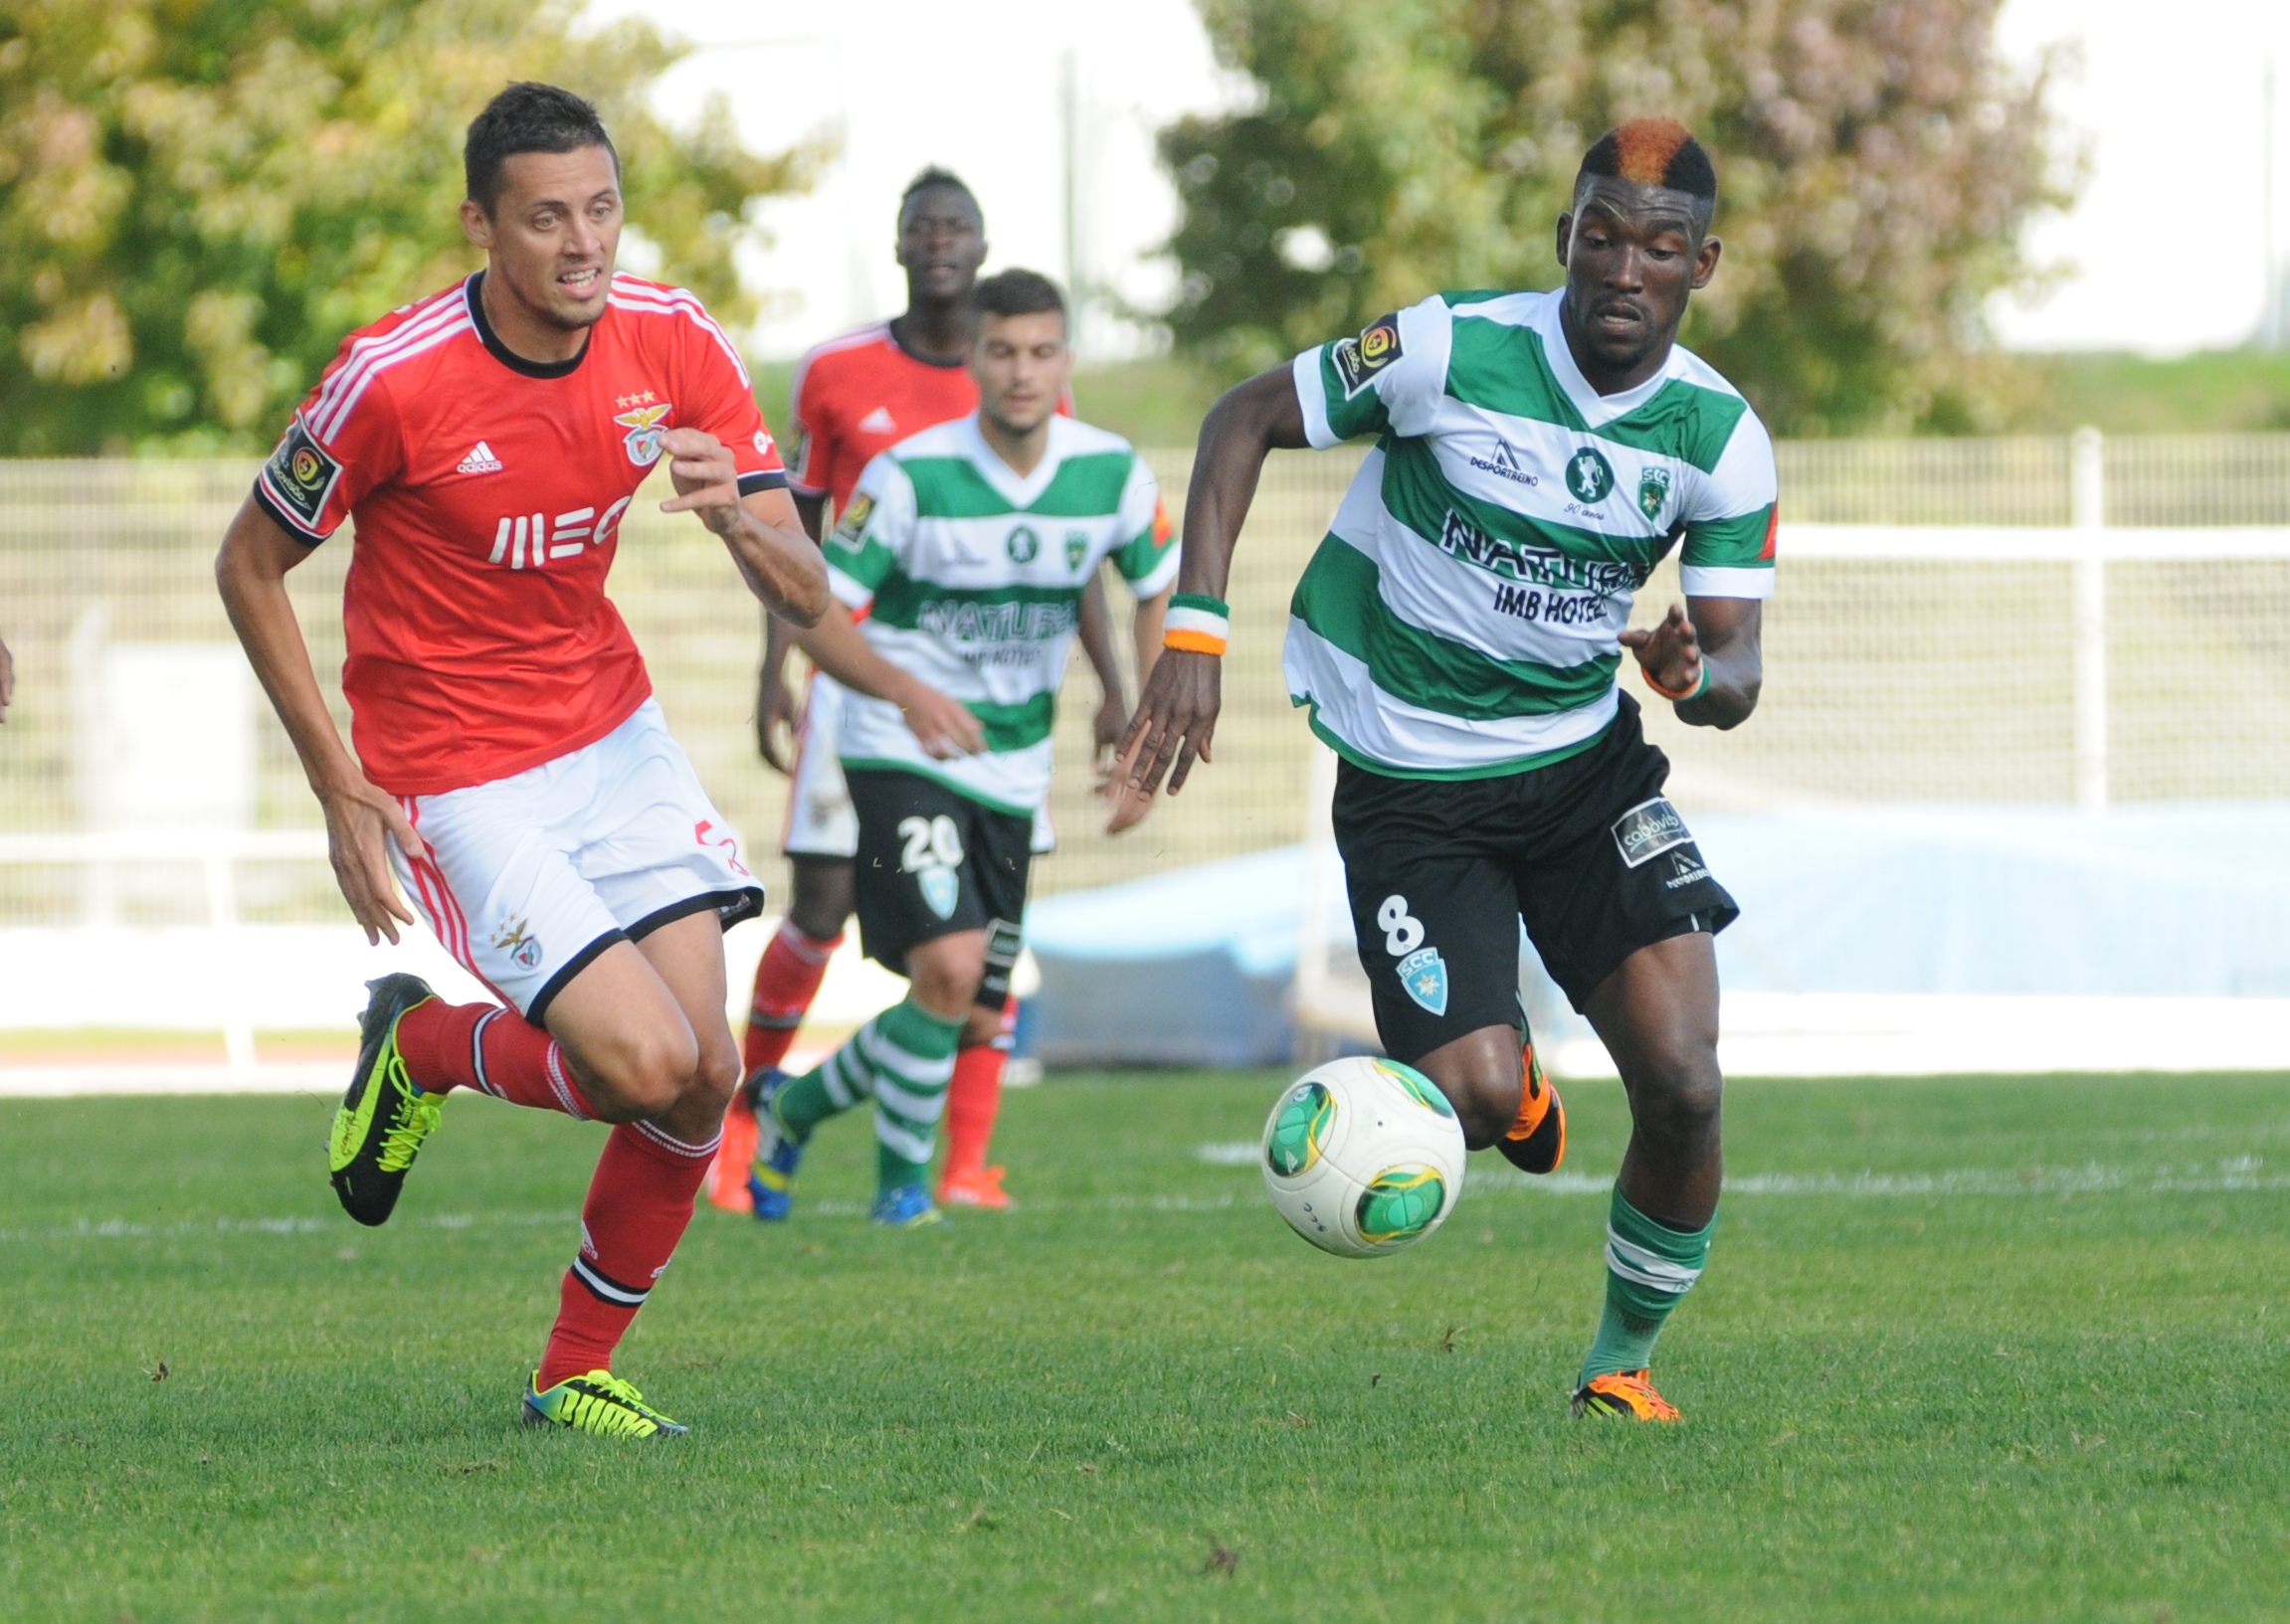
[[932, 863], [1441, 871]]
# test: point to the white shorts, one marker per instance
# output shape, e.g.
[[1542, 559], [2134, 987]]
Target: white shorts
[[821, 821], [819, 818], [527, 878]]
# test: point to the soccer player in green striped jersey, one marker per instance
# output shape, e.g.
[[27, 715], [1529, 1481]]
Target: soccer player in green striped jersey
[[967, 548], [1458, 639]]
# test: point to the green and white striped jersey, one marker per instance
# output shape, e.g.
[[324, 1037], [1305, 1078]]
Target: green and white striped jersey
[[971, 579], [1460, 618]]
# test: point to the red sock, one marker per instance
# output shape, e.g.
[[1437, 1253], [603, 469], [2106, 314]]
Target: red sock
[[784, 983], [974, 1098], [638, 1205], [486, 1048]]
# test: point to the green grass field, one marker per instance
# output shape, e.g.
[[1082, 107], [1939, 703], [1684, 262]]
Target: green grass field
[[1977, 1350]]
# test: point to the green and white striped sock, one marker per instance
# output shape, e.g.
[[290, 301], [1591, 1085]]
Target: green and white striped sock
[[1650, 1266], [909, 1053], [902, 1060]]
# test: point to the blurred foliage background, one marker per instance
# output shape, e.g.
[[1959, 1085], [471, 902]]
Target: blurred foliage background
[[1876, 165], [199, 197]]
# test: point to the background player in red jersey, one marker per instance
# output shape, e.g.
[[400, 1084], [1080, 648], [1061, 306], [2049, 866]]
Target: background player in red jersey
[[856, 395], [512, 765]]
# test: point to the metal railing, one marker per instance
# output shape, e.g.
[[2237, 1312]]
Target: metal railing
[[1974, 635]]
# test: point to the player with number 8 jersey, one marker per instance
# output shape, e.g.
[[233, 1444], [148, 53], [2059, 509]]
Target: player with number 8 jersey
[[1457, 638], [512, 767]]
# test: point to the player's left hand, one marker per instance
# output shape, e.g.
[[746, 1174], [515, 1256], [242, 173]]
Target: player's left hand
[[7, 680], [1671, 653], [706, 477], [1105, 731]]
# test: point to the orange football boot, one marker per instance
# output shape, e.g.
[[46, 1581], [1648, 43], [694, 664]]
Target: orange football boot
[[727, 1178], [1537, 1142], [977, 1189], [1627, 1393]]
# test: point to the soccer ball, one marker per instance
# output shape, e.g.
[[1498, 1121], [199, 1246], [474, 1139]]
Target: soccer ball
[[1363, 1156]]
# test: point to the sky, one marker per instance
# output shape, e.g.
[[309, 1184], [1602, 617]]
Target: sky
[[2171, 115]]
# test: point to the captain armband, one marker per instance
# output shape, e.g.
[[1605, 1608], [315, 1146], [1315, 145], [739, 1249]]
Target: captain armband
[[1197, 624]]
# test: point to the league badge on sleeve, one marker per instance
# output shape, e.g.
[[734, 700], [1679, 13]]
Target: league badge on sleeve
[[1424, 974], [1358, 360], [301, 474]]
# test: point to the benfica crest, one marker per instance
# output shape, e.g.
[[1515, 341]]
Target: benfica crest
[[644, 428]]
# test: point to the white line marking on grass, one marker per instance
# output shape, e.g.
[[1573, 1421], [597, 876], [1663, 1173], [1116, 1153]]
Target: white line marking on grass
[[2242, 1173], [2234, 1175]]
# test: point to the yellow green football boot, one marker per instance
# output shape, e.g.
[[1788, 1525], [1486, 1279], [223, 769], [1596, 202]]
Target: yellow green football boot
[[384, 1117], [599, 1403]]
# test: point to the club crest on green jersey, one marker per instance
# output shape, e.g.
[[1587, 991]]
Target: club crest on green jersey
[[1590, 476], [1653, 490], [1025, 546], [1076, 548]]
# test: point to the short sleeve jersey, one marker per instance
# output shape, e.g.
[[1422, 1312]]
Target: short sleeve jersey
[[487, 492], [971, 579], [1462, 617], [858, 396]]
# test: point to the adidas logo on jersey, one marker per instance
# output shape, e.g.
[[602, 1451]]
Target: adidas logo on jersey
[[480, 461], [878, 421]]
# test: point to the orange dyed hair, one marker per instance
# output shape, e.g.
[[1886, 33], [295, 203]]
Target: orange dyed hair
[[1651, 152]]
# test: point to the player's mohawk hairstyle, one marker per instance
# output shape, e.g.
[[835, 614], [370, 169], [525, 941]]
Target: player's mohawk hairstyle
[[932, 178], [1651, 152]]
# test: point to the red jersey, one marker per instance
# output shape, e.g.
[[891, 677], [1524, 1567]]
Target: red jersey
[[487, 493], [862, 394], [858, 396]]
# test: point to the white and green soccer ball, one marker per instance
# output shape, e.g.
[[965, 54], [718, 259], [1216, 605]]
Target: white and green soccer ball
[[1363, 1156]]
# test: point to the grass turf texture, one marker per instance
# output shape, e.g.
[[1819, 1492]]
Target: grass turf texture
[[1967, 1349]]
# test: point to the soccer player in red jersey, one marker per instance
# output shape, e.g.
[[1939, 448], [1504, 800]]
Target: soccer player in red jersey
[[856, 396], [510, 763]]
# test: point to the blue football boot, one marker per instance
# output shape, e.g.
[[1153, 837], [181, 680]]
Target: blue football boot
[[904, 1206], [778, 1153]]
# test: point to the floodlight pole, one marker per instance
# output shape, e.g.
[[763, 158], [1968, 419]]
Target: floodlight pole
[[2087, 512]]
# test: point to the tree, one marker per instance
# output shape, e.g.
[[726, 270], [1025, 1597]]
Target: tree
[[1876, 167], [199, 197]]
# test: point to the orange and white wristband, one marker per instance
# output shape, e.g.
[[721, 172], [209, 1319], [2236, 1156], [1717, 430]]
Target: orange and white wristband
[[1198, 624], [1683, 694]]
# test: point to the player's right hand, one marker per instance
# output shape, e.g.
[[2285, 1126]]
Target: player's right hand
[[7, 680], [944, 724], [775, 710], [1176, 720], [360, 821]]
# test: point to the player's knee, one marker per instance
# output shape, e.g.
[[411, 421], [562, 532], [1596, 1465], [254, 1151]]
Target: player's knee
[[948, 982], [715, 1078], [650, 1072], [1486, 1102], [1679, 1091], [823, 898]]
